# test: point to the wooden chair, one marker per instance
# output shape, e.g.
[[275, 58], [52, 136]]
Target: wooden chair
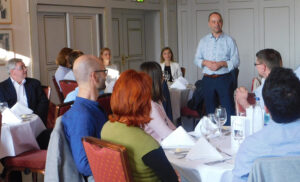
[[67, 86], [61, 109], [108, 161], [190, 114], [47, 90], [104, 102], [183, 71], [59, 93], [251, 100]]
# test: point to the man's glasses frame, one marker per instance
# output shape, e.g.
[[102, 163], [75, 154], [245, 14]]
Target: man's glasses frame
[[105, 71], [255, 64]]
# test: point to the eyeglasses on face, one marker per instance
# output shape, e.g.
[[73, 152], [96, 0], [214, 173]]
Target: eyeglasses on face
[[23, 67], [255, 64], [105, 71]]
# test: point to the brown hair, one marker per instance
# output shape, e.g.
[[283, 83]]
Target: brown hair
[[104, 49], [215, 13], [73, 56], [61, 58], [161, 54], [153, 69], [270, 57], [131, 99]]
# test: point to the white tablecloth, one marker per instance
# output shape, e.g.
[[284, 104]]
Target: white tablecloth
[[16, 139], [179, 99], [197, 171]]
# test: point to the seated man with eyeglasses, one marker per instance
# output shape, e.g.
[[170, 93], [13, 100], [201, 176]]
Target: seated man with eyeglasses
[[85, 118], [267, 59], [27, 91]]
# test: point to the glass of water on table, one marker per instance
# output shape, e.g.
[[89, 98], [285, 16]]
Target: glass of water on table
[[220, 118], [3, 106]]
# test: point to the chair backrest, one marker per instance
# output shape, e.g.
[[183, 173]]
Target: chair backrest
[[59, 93], [108, 161], [61, 109], [67, 86], [251, 100], [183, 71], [275, 169], [104, 102], [47, 90]]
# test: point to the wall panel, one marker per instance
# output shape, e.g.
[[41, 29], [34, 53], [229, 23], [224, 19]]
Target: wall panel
[[277, 31], [238, 29]]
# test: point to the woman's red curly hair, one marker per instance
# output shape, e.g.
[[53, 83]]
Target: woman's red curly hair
[[131, 99]]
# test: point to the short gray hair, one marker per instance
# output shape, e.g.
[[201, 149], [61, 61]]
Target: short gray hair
[[11, 64]]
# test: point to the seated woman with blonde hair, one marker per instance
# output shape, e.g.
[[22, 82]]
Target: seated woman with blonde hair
[[112, 69], [168, 64], [160, 126], [131, 106]]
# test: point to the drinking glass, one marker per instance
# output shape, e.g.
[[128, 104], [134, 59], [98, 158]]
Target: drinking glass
[[3, 106], [220, 117], [166, 76]]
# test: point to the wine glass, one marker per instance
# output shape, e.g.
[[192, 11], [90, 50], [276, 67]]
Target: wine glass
[[3, 106], [220, 117], [166, 76], [239, 136]]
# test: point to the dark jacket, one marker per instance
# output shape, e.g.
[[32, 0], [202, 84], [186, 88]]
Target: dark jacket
[[36, 98]]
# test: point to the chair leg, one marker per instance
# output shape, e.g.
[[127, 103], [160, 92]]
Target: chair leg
[[34, 177]]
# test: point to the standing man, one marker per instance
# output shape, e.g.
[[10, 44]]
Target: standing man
[[218, 56], [85, 118]]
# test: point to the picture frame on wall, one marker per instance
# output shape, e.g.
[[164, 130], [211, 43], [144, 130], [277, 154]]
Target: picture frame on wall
[[5, 11], [6, 45]]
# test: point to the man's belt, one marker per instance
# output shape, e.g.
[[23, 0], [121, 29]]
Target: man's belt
[[215, 76]]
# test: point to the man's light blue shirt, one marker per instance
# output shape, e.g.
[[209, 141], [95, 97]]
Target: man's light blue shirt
[[218, 49], [72, 95], [274, 140]]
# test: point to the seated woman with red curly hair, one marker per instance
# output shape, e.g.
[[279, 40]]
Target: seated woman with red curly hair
[[131, 106]]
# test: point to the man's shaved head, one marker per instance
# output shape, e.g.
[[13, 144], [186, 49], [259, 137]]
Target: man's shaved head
[[84, 66]]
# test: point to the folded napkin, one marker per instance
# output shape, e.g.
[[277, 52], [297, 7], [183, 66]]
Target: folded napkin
[[183, 80], [9, 117], [178, 85], [205, 127], [178, 139], [203, 150], [19, 109]]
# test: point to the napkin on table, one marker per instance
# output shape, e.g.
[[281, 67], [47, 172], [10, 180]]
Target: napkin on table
[[178, 139], [19, 109], [9, 117], [178, 85], [205, 127], [203, 150]]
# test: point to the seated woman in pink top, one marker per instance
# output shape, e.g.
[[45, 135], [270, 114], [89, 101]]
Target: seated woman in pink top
[[160, 126]]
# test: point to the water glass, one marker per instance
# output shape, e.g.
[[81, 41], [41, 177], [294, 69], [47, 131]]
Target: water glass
[[220, 117], [3, 106]]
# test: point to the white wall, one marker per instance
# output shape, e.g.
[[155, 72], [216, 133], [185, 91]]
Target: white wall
[[254, 24], [21, 35]]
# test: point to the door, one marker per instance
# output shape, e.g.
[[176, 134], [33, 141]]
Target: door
[[59, 27], [128, 39]]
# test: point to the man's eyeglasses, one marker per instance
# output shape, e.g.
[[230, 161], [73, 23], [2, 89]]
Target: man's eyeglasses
[[21, 68], [105, 71], [255, 64]]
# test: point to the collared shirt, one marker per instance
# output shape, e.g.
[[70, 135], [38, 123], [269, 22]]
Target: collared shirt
[[218, 49], [258, 93], [274, 140], [85, 118], [61, 73], [21, 93]]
